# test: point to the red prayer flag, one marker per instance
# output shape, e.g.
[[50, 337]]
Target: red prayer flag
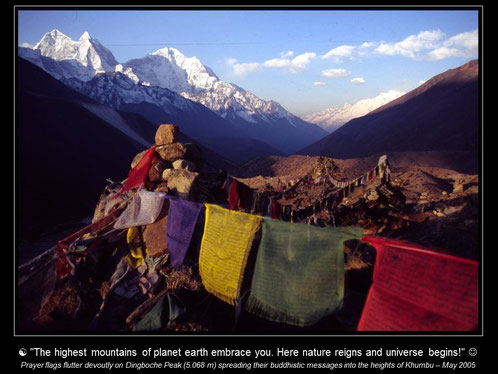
[[371, 175], [64, 265], [417, 289], [138, 175], [233, 195], [275, 210]]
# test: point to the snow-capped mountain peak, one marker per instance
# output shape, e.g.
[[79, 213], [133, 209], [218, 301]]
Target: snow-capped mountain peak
[[81, 59], [56, 45], [53, 35], [85, 36], [169, 68], [172, 54], [187, 76], [178, 58], [141, 80], [197, 76], [330, 119]]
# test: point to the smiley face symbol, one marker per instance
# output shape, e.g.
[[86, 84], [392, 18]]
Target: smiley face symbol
[[23, 352], [472, 352]]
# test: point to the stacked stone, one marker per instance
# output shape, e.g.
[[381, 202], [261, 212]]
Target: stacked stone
[[457, 188], [174, 170], [424, 198], [372, 195], [175, 166], [397, 182]]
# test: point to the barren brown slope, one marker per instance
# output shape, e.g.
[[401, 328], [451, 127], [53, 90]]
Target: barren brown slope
[[440, 207], [440, 115], [297, 166]]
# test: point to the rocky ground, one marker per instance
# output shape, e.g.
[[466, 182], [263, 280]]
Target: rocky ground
[[435, 207], [422, 204]]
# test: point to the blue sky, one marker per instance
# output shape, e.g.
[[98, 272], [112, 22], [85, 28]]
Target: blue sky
[[306, 60]]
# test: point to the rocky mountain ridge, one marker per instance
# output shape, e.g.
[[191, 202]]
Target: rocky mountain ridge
[[167, 72], [440, 115], [330, 119]]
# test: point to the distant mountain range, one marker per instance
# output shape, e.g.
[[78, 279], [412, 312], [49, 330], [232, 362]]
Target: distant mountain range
[[440, 115], [330, 119], [80, 114], [167, 86], [67, 146]]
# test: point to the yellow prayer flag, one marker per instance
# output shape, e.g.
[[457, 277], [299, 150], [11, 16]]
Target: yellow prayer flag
[[137, 253], [225, 246]]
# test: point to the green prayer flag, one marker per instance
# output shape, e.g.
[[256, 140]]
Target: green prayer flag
[[153, 320], [299, 272]]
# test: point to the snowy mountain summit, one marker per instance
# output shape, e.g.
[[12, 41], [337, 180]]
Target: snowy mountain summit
[[330, 119], [167, 68], [81, 59]]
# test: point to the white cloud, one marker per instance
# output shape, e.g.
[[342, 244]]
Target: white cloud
[[432, 45], [296, 65], [27, 45], [319, 83], [340, 54], [421, 82], [277, 63], [367, 45], [467, 40], [426, 45], [241, 69], [358, 80], [231, 61], [444, 52], [464, 44], [335, 73], [299, 63], [286, 54], [411, 45]]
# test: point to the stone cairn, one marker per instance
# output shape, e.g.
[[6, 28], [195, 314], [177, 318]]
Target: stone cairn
[[174, 170], [177, 169], [175, 166]]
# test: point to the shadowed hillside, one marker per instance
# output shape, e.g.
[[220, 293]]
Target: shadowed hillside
[[440, 115]]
